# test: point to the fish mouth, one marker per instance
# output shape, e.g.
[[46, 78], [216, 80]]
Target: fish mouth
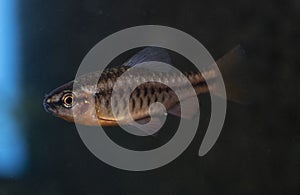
[[48, 107]]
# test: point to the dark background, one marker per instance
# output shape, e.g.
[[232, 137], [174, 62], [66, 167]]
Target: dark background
[[258, 150]]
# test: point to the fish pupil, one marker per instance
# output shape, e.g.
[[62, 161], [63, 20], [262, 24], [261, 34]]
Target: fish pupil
[[69, 100]]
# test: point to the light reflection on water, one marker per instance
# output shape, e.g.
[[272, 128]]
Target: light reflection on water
[[13, 151]]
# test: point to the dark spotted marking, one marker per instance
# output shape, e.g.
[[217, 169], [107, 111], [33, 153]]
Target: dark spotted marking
[[138, 91], [145, 91], [141, 102], [132, 105], [106, 103], [103, 76], [152, 90], [149, 101], [159, 90]]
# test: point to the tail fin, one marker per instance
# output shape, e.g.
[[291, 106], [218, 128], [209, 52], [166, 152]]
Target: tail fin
[[233, 75]]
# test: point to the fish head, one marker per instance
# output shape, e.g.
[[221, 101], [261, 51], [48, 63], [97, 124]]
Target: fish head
[[72, 104]]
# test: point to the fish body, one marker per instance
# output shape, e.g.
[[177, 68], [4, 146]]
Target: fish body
[[91, 103], [143, 96]]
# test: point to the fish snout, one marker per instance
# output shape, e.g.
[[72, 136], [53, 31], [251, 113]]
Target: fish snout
[[48, 105]]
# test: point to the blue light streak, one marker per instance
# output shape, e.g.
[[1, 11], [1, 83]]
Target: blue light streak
[[12, 144]]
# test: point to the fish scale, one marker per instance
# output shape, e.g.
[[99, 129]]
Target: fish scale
[[141, 98]]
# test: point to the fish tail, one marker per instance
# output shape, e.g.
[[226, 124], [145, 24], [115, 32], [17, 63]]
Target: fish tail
[[233, 73]]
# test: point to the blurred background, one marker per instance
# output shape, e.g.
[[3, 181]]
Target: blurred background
[[42, 43]]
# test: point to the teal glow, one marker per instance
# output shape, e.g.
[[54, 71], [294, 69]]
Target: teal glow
[[12, 144]]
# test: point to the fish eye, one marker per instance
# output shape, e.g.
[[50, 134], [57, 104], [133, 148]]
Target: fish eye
[[68, 100]]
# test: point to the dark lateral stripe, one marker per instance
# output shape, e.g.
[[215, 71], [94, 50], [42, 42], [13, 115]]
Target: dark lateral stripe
[[199, 84], [205, 83]]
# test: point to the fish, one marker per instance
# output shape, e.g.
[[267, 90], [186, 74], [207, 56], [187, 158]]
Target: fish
[[91, 102]]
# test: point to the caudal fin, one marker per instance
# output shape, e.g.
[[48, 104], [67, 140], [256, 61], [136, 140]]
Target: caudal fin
[[234, 76]]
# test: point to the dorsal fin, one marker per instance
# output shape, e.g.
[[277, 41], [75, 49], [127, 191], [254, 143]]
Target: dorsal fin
[[149, 54]]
